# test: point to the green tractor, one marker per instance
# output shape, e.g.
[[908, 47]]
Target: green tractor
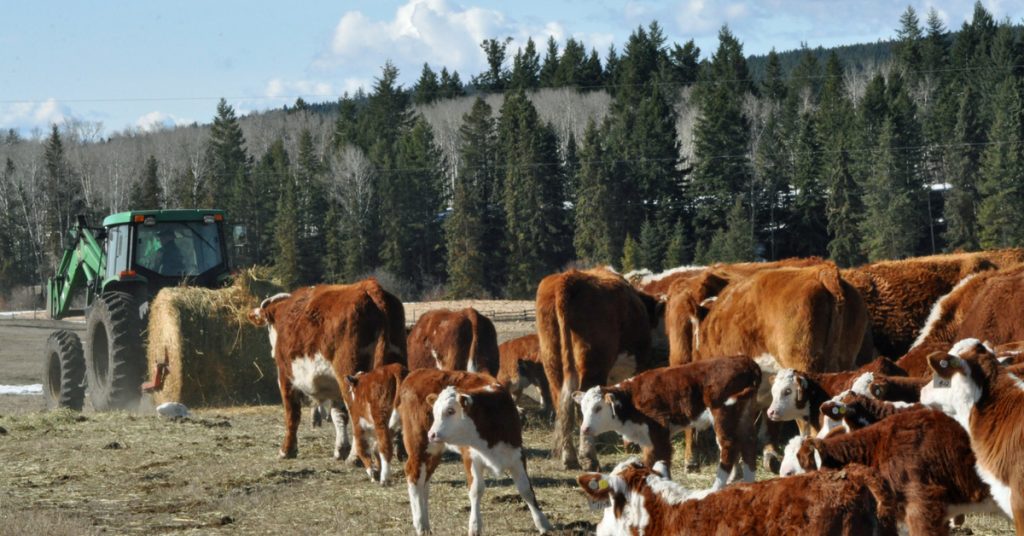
[[121, 266]]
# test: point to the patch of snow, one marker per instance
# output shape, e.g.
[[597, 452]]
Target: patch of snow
[[33, 389]]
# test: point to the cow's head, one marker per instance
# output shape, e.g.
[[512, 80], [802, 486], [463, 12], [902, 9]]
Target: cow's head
[[790, 464], [960, 379], [834, 413], [862, 385], [789, 399], [452, 423], [264, 314], [622, 493], [601, 410]]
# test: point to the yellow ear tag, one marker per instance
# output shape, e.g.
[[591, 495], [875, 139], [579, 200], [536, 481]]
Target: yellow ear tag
[[602, 484], [955, 362], [842, 410]]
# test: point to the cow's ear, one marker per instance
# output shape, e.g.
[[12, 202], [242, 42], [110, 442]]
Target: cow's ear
[[661, 468], [943, 364], [877, 390], [577, 396], [431, 398], [595, 485], [464, 400], [613, 400], [256, 317], [352, 380]]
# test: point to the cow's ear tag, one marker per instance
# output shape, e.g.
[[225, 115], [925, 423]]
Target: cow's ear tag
[[602, 484]]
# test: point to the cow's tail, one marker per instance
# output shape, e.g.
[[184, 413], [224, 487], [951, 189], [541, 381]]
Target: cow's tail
[[830, 278], [483, 343]]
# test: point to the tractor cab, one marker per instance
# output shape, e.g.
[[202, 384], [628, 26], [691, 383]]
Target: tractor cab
[[161, 248]]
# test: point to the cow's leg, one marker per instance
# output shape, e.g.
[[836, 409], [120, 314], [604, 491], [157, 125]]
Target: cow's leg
[[660, 448], [292, 402], [342, 442], [746, 436], [926, 516], [588, 452], [725, 426], [1017, 507], [418, 468], [545, 395], [475, 480], [773, 431], [522, 480], [316, 415], [384, 448], [689, 435]]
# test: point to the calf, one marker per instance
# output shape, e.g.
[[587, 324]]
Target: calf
[[374, 398], [987, 402], [797, 396], [924, 458], [896, 389], [521, 367], [857, 411], [470, 411], [650, 407], [637, 500]]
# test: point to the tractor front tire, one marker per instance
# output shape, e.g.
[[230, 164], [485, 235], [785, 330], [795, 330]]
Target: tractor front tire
[[64, 371], [115, 356]]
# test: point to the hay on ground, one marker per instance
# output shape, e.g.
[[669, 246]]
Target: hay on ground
[[215, 357]]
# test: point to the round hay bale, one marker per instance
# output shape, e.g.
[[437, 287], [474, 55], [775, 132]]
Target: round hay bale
[[214, 356]]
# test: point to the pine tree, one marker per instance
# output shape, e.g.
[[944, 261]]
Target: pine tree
[[474, 229], [844, 209], [592, 76], [267, 180], [495, 78], [734, 243], [963, 197], [346, 126], [146, 193], [227, 163], [889, 228], [677, 248], [908, 44], [651, 246], [451, 85], [594, 238], [311, 205], [809, 224], [286, 229], [525, 68], [63, 194], [774, 85], [685, 63], [721, 137], [427, 88], [1002, 172], [549, 69], [571, 64]]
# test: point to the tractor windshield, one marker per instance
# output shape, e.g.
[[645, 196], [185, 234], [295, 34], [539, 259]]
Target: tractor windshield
[[178, 248]]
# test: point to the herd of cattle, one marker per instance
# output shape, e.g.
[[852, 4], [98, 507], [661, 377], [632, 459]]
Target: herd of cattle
[[904, 379]]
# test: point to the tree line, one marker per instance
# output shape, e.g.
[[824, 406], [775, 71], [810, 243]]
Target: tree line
[[650, 157]]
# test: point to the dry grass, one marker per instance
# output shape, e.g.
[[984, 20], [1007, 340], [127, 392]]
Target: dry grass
[[66, 473]]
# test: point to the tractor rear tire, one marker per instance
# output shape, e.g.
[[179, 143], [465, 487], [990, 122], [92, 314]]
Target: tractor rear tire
[[64, 371], [115, 356]]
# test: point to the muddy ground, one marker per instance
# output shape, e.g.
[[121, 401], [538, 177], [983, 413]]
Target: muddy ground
[[68, 473]]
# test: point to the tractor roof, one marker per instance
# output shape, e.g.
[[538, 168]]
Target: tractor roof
[[163, 215]]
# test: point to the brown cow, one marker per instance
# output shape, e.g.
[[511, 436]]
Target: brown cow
[[650, 407], [857, 411], [900, 294], [986, 400], [521, 367], [589, 323], [374, 399], [924, 458], [454, 340], [638, 500], [806, 318], [472, 412], [323, 333]]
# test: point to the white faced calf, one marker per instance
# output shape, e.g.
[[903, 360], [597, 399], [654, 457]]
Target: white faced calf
[[472, 419], [651, 407]]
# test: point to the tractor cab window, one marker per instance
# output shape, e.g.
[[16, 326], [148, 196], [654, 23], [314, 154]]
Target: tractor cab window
[[178, 249], [117, 250]]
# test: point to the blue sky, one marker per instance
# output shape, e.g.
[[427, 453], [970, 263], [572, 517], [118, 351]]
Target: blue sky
[[142, 64]]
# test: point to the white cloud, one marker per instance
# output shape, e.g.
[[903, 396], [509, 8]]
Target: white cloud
[[27, 115], [278, 87], [157, 120], [436, 32]]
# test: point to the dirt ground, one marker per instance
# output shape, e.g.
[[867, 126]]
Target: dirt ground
[[91, 473]]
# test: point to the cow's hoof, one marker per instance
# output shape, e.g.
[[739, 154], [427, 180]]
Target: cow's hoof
[[341, 453], [286, 455]]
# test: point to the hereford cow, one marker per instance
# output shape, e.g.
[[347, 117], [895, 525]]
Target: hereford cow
[[796, 395], [896, 389], [922, 455], [650, 407], [901, 294], [857, 411], [638, 500], [806, 318], [323, 333], [987, 402], [454, 340], [592, 326], [470, 411], [374, 416], [521, 367]]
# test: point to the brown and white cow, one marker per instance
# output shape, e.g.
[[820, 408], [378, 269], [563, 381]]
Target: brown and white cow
[[323, 333], [469, 411], [988, 403], [593, 327], [521, 367], [639, 500], [798, 395], [922, 455], [896, 388], [649, 408], [454, 340], [374, 416], [857, 411]]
